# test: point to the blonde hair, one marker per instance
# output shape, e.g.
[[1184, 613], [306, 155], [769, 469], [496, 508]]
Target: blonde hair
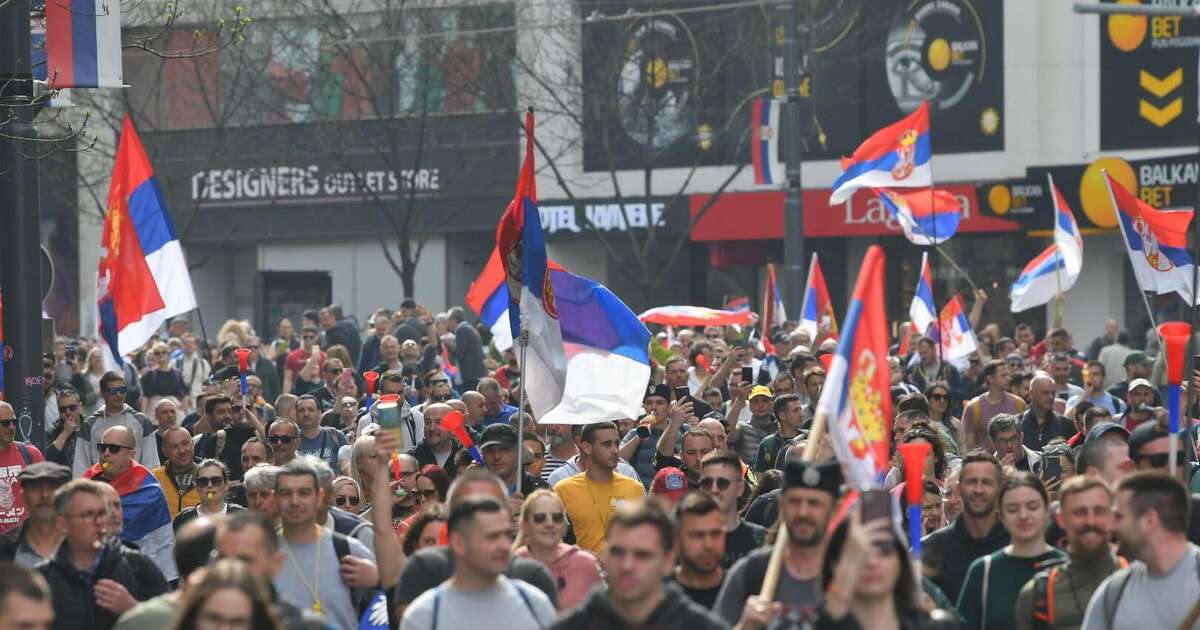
[[521, 540]]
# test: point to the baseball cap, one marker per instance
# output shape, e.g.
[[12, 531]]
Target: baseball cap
[[45, 472], [1140, 382], [1143, 434], [670, 482], [661, 390], [1137, 356], [1103, 428], [498, 435], [760, 390]]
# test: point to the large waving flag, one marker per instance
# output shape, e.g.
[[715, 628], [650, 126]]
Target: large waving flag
[[532, 309], [142, 278], [928, 217], [897, 156], [764, 142], [1066, 236], [147, 519], [679, 315], [488, 297], [921, 310], [1040, 281], [955, 334], [83, 43], [1156, 241], [816, 312], [856, 402]]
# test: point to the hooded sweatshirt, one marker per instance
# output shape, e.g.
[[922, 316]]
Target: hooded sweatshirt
[[949, 551], [675, 611], [575, 572]]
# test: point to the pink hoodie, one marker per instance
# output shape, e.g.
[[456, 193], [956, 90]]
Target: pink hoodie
[[575, 572]]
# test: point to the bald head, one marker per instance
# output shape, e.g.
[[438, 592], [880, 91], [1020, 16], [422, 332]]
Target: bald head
[[717, 429], [476, 407], [1041, 392], [119, 434]]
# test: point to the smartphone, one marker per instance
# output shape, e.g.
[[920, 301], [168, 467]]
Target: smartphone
[[876, 504], [1051, 467], [747, 374], [316, 349], [682, 393], [1196, 362]]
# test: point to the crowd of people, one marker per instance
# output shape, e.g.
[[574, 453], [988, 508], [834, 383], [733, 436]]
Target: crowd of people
[[166, 497]]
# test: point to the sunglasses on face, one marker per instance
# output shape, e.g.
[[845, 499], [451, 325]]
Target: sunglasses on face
[[279, 439], [333, 370], [427, 495], [720, 483], [1159, 460], [110, 448], [437, 381], [202, 482], [347, 500], [940, 397], [116, 391], [7, 423], [66, 408], [540, 517], [440, 398]]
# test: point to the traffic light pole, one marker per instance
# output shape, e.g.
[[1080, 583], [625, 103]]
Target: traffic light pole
[[20, 263], [793, 208]]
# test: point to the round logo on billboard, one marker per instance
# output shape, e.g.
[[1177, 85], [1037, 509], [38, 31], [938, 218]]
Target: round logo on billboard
[[656, 85], [935, 52]]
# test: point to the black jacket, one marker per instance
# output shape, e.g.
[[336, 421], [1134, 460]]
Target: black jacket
[[190, 514], [425, 456], [1036, 436], [72, 590], [909, 620], [676, 610], [10, 542], [950, 550], [345, 333]]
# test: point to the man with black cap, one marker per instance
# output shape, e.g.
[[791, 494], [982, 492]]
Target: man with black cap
[[808, 497], [37, 538], [639, 445], [498, 445]]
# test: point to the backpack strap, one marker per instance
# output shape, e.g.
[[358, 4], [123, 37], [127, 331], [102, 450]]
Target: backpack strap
[[341, 545], [437, 605], [528, 604], [1043, 598], [987, 572], [25, 456], [1110, 610]]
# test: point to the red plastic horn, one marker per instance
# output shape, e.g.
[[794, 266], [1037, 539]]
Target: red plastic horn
[[456, 423], [826, 360], [370, 376], [914, 454], [1175, 337], [243, 355], [389, 398]]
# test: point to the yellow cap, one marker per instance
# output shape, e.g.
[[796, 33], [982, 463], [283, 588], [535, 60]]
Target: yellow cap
[[761, 390]]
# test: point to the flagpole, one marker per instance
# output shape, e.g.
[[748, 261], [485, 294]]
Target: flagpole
[[524, 339], [1195, 316]]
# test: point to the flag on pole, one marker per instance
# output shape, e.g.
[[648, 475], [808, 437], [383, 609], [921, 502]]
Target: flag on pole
[[1040, 280], [764, 142], [816, 313], [921, 311], [142, 279], [897, 156], [1156, 241], [488, 297], [738, 303], [928, 217], [531, 304], [680, 315], [856, 401], [83, 43], [955, 334], [774, 312], [1066, 236]]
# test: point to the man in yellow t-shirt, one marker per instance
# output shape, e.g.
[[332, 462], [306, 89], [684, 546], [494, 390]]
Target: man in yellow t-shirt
[[591, 496]]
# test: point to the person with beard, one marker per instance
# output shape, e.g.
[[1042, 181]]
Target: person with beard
[[437, 447], [700, 539], [591, 496], [1057, 597], [806, 503], [37, 538], [721, 477], [977, 530], [1160, 590]]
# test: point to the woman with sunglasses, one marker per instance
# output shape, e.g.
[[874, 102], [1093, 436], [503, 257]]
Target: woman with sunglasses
[[432, 485], [938, 395], [543, 524], [212, 482], [1025, 514], [347, 495]]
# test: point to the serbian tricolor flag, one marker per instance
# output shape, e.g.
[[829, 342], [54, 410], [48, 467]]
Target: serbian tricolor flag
[[1040, 281], [856, 402], [679, 315], [774, 314], [922, 310], [1156, 241], [816, 313], [928, 217], [142, 279], [1066, 235], [147, 519], [955, 334], [764, 142], [83, 43], [738, 303], [897, 156]]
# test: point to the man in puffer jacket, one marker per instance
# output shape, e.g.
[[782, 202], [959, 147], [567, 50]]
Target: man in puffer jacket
[[93, 577], [641, 540]]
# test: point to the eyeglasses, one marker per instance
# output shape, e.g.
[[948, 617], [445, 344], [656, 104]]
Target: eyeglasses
[[437, 381], [116, 391], [7, 423], [66, 408], [347, 500], [938, 397], [279, 439], [1013, 441], [202, 482], [92, 516], [333, 370], [440, 398], [1159, 460], [720, 483], [111, 448], [540, 517], [427, 495]]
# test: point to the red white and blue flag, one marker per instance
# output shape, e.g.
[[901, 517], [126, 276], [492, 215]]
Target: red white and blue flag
[[147, 519], [1156, 241], [897, 156], [928, 217], [738, 303], [922, 311], [764, 142], [955, 334], [1066, 235], [1039, 281], [816, 312], [142, 279], [856, 401], [83, 43], [680, 315], [774, 312]]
